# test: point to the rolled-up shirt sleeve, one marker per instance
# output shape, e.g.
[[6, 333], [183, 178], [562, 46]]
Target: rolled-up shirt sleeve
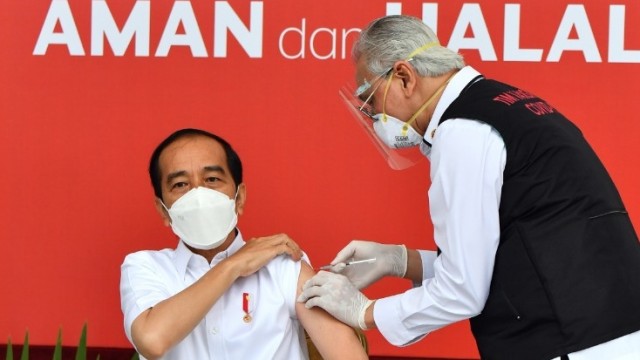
[[467, 164]]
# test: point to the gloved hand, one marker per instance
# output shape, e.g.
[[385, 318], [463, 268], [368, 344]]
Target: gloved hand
[[391, 260], [337, 296]]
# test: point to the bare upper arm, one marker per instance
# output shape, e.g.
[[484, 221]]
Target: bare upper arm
[[332, 338]]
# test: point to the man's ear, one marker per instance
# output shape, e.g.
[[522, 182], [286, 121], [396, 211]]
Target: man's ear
[[163, 212], [405, 72], [241, 198]]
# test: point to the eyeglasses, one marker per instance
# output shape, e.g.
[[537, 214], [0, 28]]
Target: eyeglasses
[[366, 108]]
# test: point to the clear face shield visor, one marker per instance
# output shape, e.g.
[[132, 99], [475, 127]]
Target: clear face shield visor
[[357, 98], [358, 103]]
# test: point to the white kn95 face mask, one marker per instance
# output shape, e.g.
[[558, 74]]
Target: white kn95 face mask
[[203, 217]]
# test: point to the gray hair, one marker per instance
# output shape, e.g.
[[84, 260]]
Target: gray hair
[[393, 38]]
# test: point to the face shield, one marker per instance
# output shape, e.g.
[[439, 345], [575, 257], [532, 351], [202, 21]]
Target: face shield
[[357, 99], [397, 159]]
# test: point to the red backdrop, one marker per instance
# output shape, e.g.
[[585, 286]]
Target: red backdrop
[[78, 122]]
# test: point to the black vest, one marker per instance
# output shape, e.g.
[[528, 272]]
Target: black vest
[[567, 269]]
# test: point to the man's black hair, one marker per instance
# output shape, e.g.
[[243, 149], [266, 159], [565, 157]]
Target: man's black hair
[[233, 160]]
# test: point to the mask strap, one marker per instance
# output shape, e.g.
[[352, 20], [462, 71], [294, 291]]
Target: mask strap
[[167, 210], [384, 98], [422, 48], [426, 104], [415, 52], [235, 200]]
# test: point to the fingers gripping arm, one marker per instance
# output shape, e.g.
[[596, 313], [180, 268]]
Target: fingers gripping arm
[[338, 296], [333, 339]]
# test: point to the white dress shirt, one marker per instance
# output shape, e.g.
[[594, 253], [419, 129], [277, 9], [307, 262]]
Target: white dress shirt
[[467, 164], [149, 277]]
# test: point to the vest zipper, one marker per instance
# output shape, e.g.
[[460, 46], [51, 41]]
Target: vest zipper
[[513, 308], [608, 213]]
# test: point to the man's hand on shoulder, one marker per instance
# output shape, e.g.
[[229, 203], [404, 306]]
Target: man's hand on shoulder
[[257, 252]]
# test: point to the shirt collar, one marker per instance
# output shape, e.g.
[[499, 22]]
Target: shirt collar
[[183, 257], [458, 82]]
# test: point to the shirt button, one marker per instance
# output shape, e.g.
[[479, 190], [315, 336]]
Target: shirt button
[[214, 331]]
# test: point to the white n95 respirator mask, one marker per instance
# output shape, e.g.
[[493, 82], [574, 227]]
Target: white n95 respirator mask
[[394, 132], [203, 218]]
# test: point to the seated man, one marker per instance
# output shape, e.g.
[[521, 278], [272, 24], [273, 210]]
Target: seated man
[[215, 296]]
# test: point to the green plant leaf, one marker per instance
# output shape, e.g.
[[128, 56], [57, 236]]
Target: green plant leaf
[[25, 347], [9, 350], [81, 352], [57, 352]]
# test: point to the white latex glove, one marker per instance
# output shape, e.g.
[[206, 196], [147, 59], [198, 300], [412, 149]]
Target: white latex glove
[[337, 296], [391, 260]]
